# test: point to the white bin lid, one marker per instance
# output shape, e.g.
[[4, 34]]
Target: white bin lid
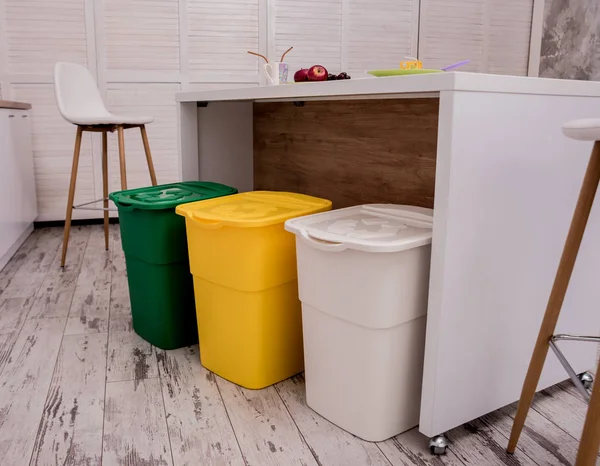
[[371, 227]]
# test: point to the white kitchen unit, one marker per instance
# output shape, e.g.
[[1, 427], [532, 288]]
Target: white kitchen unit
[[18, 204], [503, 188]]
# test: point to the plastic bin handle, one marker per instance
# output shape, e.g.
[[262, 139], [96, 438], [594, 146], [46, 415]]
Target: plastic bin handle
[[207, 224], [121, 205], [321, 244]]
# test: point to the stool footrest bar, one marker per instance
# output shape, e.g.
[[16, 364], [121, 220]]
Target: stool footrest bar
[[83, 205], [566, 337], [570, 371]]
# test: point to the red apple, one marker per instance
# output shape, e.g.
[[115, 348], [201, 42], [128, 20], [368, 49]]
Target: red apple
[[301, 75], [317, 73]]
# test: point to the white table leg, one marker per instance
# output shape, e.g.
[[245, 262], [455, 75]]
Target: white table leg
[[188, 141], [217, 143]]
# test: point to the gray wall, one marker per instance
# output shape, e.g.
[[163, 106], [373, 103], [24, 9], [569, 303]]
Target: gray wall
[[571, 40]]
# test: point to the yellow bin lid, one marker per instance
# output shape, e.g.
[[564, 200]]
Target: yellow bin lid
[[253, 209]]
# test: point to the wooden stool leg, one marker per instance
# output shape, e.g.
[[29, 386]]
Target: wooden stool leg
[[590, 439], [105, 184], [557, 295], [122, 158], [148, 154], [71, 197]]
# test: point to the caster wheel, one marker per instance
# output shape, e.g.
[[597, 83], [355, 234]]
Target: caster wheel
[[586, 379], [438, 444]]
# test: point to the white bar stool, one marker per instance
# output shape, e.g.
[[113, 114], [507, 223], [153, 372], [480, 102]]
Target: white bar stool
[[80, 103], [583, 130]]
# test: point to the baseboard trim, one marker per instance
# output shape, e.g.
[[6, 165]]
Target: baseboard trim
[[82, 221], [15, 247]]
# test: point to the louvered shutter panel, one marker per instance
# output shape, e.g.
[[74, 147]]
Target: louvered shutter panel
[[156, 100], [38, 34], [219, 35], [493, 34], [451, 31], [313, 28], [509, 36], [141, 35], [141, 42], [380, 33]]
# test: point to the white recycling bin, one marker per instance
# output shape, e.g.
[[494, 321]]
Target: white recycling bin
[[363, 277]]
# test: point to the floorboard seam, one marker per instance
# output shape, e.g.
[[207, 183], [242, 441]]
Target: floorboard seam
[[493, 426], [111, 252], [131, 380], [230, 423], [26, 317], [312, 451], [59, 346], [384, 455], [547, 418], [162, 393]]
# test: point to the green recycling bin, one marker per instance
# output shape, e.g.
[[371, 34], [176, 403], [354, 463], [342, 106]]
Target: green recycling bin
[[154, 241]]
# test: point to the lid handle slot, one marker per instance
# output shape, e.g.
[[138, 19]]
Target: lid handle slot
[[203, 223], [323, 245]]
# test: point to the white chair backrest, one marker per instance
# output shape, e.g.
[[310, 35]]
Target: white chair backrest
[[77, 94]]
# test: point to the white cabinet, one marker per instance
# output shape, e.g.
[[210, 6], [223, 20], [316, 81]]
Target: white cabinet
[[18, 205]]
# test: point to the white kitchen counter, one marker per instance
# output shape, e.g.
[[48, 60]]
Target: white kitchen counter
[[506, 182], [431, 84]]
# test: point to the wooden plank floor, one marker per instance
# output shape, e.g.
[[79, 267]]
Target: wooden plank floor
[[79, 387]]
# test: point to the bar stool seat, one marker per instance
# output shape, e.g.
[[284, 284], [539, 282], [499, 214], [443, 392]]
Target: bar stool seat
[[587, 455], [80, 103], [111, 119], [587, 129]]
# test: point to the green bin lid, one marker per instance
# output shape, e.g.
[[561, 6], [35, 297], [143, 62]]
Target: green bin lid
[[168, 196]]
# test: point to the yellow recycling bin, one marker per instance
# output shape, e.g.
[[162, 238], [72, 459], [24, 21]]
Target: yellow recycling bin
[[245, 284]]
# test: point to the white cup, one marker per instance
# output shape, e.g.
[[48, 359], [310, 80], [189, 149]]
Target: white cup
[[277, 73]]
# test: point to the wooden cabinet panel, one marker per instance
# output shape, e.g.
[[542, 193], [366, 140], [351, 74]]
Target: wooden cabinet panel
[[343, 151]]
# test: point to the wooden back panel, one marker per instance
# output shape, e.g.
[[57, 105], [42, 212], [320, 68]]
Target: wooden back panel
[[351, 152]]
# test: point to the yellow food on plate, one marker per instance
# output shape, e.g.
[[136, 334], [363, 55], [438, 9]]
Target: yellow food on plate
[[411, 65]]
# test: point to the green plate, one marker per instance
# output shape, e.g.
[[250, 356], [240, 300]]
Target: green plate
[[399, 72]]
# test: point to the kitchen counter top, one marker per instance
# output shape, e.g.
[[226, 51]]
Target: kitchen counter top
[[424, 85], [14, 105]]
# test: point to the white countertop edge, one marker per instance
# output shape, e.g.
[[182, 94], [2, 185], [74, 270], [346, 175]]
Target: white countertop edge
[[422, 84]]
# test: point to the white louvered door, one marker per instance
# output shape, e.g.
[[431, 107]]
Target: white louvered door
[[493, 34], [379, 33], [218, 36], [138, 55], [313, 28], [144, 51], [343, 35], [509, 36]]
